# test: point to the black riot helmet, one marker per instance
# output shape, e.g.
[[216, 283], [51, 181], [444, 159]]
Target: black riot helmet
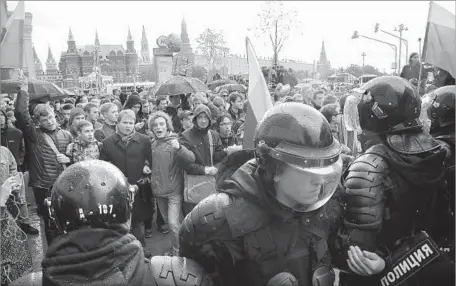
[[91, 193], [441, 112], [300, 136], [389, 104]]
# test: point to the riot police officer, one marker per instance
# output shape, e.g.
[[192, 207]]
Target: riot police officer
[[391, 193], [441, 113], [275, 209], [91, 204]]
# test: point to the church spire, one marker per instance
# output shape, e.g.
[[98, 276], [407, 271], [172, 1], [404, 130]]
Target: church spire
[[51, 65], [323, 58], [70, 36], [35, 56], [129, 37], [184, 35], [38, 65], [97, 41], [145, 57]]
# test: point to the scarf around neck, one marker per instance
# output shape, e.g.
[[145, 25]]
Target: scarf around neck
[[125, 138]]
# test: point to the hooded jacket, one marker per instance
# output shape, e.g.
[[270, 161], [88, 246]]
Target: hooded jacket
[[197, 141], [95, 257], [167, 166]]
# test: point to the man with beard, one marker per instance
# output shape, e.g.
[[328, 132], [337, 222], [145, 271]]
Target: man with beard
[[275, 209], [392, 193], [91, 207]]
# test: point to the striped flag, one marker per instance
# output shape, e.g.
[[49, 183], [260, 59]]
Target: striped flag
[[258, 97], [440, 39], [12, 39]]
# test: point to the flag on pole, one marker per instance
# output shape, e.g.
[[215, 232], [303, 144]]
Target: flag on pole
[[12, 39], [440, 39], [258, 97]]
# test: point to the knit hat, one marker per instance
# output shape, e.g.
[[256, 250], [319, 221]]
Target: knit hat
[[74, 112]]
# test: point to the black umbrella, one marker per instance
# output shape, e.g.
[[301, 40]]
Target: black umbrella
[[39, 90], [175, 86]]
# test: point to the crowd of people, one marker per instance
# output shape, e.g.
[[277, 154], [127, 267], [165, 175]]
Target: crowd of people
[[281, 215]]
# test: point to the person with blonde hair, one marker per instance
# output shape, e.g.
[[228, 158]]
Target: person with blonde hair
[[168, 160], [130, 151]]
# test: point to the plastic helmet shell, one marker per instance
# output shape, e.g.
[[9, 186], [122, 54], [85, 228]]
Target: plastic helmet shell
[[297, 134], [91, 192], [441, 110], [389, 104]]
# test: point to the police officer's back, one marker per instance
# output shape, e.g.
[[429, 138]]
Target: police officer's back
[[391, 193], [91, 205]]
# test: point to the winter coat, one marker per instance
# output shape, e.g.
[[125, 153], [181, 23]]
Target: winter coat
[[79, 151], [95, 257], [43, 164], [197, 141], [104, 132], [167, 167], [228, 141], [130, 159], [238, 118], [13, 139]]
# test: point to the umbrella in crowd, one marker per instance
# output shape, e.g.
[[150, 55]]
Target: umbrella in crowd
[[37, 89], [198, 84], [232, 87], [178, 85], [213, 85]]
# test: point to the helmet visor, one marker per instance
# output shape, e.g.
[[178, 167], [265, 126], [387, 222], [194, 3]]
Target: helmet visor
[[314, 186]]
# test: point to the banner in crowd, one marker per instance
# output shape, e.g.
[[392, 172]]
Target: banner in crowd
[[440, 39], [258, 97]]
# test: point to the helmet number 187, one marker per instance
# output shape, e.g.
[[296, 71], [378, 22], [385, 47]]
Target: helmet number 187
[[104, 209]]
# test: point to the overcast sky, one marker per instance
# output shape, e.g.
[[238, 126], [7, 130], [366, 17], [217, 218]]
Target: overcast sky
[[333, 22]]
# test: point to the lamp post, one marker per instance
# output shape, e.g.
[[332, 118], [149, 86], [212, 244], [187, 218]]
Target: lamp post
[[363, 55], [400, 28], [392, 35], [356, 35]]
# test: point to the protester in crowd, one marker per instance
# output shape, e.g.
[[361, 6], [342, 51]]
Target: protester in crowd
[[134, 103], [95, 101], [130, 151], [317, 99], [329, 99], [196, 140], [236, 102], [46, 145], [160, 103], [77, 114], [186, 119], [220, 103], [12, 138], [145, 108], [99, 250], [92, 114], [15, 256], [8, 168], [173, 110], [223, 127], [197, 99], [110, 113], [168, 160], [123, 98], [412, 70], [85, 146]]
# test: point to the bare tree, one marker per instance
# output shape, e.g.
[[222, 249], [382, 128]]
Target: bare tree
[[276, 23], [211, 45]]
